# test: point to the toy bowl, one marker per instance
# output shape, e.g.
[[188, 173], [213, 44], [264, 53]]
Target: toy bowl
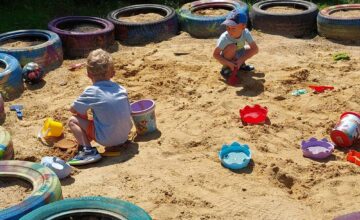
[[253, 114], [317, 149], [235, 156]]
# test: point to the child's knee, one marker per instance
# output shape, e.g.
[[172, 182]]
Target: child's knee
[[229, 51], [72, 121]]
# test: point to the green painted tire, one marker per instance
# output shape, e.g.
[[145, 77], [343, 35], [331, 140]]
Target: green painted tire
[[98, 206], [6, 146], [46, 186]]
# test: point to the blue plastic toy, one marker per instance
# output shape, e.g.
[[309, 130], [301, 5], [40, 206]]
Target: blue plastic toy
[[235, 156]]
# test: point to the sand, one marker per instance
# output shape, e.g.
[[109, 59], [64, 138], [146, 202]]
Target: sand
[[211, 12], [355, 13], [141, 18], [283, 10], [21, 42], [175, 173], [13, 191]]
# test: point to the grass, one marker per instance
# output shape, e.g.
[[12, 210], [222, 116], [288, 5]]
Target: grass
[[30, 14]]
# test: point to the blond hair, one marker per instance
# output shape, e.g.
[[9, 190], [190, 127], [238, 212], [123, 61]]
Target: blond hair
[[99, 63]]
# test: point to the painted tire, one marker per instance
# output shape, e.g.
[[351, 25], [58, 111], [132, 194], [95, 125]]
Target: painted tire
[[142, 33], [115, 208], [80, 44], [206, 26], [294, 24], [46, 186], [48, 55], [339, 28], [6, 145], [11, 78]]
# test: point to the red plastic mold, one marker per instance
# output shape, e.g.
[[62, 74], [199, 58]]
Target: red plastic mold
[[233, 79], [353, 157], [253, 114], [320, 89]]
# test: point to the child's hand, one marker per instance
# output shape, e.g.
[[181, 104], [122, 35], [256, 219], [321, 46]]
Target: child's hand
[[232, 66]]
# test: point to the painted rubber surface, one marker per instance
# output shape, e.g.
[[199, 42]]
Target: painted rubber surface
[[80, 44], [11, 78], [46, 186], [6, 145], [206, 26], [295, 24], [113, 207], [351, 216], [141, 33], [48, 55], [336, 27]]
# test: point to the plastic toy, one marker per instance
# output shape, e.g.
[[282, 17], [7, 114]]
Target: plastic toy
[[317, 149], [298, 92], [60, 167], [233, 79], [32, 73], [321, 89], [347, 130], [353, 157], [18, 109], [253, 114], [235, 156]]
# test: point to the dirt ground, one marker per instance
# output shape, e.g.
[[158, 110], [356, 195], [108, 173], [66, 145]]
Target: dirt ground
[[175, 173]]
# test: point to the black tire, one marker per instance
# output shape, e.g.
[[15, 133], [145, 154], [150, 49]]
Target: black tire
[[339, 28], [294, 24], [96, 206], [144, 32], [205, 26]]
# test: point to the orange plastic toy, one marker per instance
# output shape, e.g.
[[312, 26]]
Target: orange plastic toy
[[353, 157]]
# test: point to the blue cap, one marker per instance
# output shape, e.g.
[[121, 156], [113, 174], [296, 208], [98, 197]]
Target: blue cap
[[235, 17]]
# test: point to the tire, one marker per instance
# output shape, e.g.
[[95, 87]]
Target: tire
[[142, 33], [115, 208], [80, 44], [11, 82], [48, 55], [6, 145], [46, 186], [205, 26], [294, 24], [338, 28]]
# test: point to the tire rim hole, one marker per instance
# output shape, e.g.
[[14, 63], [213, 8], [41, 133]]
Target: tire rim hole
[[87, 214], [284, 8], [19, 190], [3, 66], [23, 41], [126, 15], [212, 10], [80, 26]]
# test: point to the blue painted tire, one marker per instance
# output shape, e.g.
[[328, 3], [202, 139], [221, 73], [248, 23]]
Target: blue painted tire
[[206, 26], [48, 55], [46, 186], [339, 28], [96, 206], [6, 145], [11, 77], [142, 33]]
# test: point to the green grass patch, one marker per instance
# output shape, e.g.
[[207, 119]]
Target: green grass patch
[[341, 56]]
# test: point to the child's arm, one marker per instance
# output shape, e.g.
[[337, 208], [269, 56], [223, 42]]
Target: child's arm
[[222, 60], [248, 54], [72, 110]]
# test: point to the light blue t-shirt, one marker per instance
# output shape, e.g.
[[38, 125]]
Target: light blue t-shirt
[[110, 106], [225, 40]]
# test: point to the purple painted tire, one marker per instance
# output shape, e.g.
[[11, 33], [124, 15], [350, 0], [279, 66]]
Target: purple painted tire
[[140, 33], [80, 44]]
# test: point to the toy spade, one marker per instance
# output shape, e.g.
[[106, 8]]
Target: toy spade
[[18, 109], [233, 79]]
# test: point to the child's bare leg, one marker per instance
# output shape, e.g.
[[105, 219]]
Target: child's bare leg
[[78, 127], [229, 52]]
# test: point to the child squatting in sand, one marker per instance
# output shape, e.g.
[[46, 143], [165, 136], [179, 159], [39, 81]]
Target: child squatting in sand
[[230, 50], [110, 107]]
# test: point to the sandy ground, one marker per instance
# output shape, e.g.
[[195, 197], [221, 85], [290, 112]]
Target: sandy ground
[[175, 173]]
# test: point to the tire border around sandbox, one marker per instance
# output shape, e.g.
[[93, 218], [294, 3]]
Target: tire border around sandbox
[[80, 44], [338, 28], [293, 24], [11, 82], [144, 32], [6, 145], [46, 186], [49, 55], [206, 26], [93, 203]]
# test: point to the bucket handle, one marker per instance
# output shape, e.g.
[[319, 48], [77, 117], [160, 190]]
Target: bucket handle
[[41, 134]]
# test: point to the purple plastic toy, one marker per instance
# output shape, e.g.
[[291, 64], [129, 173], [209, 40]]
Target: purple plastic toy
[[317, 149]]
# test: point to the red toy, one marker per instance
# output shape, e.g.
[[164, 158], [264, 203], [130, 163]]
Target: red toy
[[353, 157], [233, 79], [321, 89], [253, 115]]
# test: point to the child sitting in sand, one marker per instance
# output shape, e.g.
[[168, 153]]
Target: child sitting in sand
[[110, 106], [230, 50]]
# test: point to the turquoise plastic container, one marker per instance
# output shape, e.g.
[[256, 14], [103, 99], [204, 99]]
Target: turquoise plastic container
[[143, 114]]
